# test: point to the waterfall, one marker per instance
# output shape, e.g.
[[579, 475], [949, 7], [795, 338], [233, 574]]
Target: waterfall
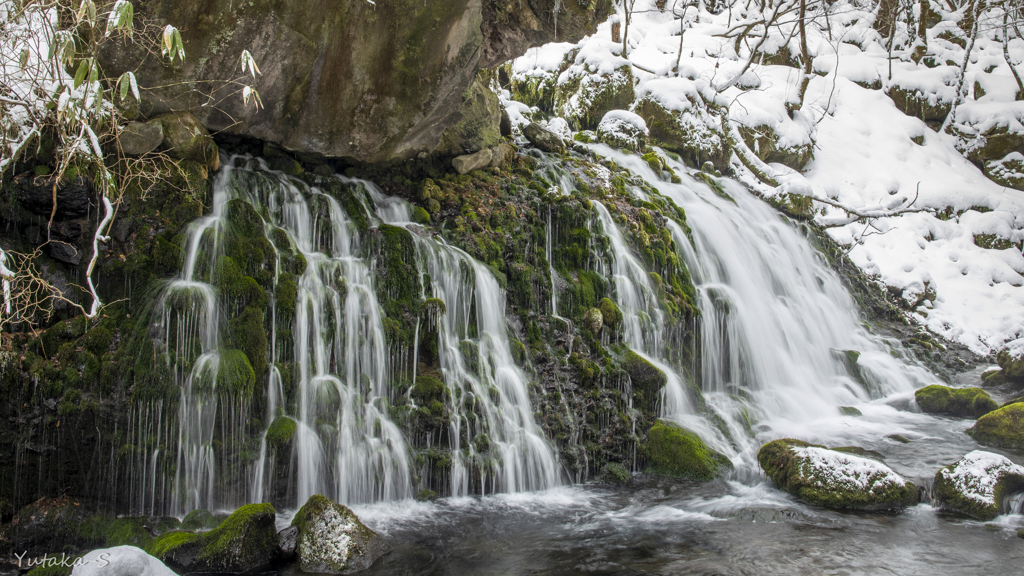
[[346, 445], [775, 320], [488, 393]]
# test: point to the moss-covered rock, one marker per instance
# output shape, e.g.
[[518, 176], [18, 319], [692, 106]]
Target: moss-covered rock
[[165, 544], [235, 375], [610, 313], [1012, 365], [643, 374], [244, 542], [693, 134], [332, 540], [615, 473], [959, 402], [1003, 428], [675, 451], [765, 143], [281, 432], [978, 484], [476, 127], [583, 96], [834, 479], [201, 520], [128, 532], [593, 320]]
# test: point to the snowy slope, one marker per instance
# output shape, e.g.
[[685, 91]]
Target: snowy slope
[[868, 155]]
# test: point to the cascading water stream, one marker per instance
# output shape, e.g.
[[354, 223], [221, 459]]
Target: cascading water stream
[[775, 320], [488, 393], [346, 445]]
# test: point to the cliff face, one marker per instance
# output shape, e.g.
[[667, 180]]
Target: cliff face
[[350, 79]]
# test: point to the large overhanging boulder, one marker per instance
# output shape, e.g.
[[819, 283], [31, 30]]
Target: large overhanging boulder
[[351, 79]]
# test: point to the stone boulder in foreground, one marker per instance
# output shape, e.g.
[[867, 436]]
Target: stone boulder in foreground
[[976, 484], [332, 540], [120, 561], [834, 479]]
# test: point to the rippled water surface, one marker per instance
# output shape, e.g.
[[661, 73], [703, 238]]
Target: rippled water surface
[[739, 525]]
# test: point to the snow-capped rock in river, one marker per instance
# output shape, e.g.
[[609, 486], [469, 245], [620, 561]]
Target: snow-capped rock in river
[[977, 483], [834, 478]]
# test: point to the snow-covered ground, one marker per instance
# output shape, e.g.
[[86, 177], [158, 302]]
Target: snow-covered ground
[[867, 154]]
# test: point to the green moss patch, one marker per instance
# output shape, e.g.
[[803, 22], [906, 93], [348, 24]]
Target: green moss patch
[[675, 451], [959, 402], [1003, 428]]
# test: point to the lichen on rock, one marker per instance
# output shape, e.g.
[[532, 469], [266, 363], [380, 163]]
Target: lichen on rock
[[332, 540]]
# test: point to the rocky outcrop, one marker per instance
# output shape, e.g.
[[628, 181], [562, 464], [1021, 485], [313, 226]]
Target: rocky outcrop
[[834, 478], [364, 81], [958, 402], [977, 484], [332, 540]]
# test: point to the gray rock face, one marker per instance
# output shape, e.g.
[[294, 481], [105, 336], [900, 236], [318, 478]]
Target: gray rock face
[[140, 138], [543, 138], [287, 540], [370, 82], [64, 252], [73, 198], [187, 139], [469, 162], [332, 540]]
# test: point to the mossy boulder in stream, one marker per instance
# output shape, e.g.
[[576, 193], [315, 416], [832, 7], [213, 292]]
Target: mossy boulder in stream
[[1003, 427], [246, 541], [959, 402], [332, 540], [977, 484], [833, 478], [675, 451]]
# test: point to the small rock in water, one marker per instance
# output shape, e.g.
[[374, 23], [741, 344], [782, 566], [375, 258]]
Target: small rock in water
[[287, 540], [977, 483], [332, 540], [543, 138], [120, 561], [849, 411], [898, 438], [835, 478], [469, 162]]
